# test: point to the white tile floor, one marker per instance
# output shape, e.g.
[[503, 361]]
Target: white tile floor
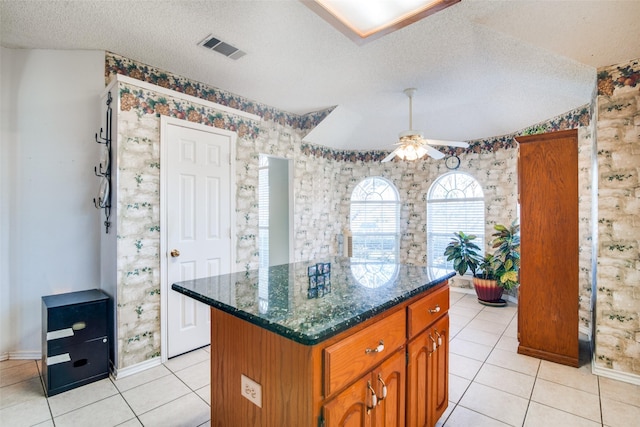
[[490, 385]]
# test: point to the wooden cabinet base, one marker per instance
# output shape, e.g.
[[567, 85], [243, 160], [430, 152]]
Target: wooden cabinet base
[[551, 357], [292, 378], [283, 368]]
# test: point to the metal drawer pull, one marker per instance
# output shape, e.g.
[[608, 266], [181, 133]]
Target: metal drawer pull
[[78, 326], [60, 333], [439, 338], [434, 345], [435, 310], [60, 358], [374, 398], [378, 349], [384, 389]]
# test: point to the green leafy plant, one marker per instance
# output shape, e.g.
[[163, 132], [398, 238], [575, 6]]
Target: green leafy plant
[[464, 253], [487, 268], [503, 265], [506, 256]]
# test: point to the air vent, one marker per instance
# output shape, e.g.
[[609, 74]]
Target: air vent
[[221, 47]]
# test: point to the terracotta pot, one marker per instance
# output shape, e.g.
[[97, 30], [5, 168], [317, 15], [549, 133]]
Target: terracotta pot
[[487, 290]]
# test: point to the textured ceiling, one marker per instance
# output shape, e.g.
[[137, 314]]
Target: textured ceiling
[[482, 68]]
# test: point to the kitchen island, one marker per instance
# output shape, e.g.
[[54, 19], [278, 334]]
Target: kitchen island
[[328, 342]]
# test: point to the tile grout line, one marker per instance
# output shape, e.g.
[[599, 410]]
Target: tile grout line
[[127, 403], [479, 369], [536, 377], [600, 401], [173, 373], [533, 387], [40, 377], [485, 362]]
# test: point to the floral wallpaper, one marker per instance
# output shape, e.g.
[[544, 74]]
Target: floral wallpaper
[[324, 180], [116, 64], [617, 332], [137, 212], [579, 117]]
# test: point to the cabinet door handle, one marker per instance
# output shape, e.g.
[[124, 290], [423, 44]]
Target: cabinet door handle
[[373, 398], [435, 310], [434, 343], [378, 349], [439, 338], [384, 389]]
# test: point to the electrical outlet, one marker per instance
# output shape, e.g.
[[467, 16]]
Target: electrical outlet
[[251, 390]]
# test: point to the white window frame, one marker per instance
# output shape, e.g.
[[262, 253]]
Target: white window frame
[[389, 229], [453, 213]]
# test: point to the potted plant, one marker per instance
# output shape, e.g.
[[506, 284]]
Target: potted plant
[[464, 253], [493, 273], [486, 281], [506, 242]]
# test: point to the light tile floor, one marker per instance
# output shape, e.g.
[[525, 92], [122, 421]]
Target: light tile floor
[[489, 385]]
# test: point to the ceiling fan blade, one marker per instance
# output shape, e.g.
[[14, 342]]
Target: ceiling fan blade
[[390, 156], [433, 152], [448, 143]]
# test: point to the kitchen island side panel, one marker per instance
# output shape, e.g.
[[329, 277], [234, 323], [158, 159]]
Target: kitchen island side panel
[[284, 369]]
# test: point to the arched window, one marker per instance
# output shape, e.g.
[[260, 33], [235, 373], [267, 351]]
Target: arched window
[[455, 202], [375, 218]]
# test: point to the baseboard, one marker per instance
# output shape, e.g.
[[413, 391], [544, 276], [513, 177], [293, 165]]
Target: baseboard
[[21, 355], [134, 369], [462, 290], [551, 357], [615, 375], [471, 291]]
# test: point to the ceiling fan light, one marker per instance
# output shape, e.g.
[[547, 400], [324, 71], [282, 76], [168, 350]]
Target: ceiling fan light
[[411, 153], [421, 151]]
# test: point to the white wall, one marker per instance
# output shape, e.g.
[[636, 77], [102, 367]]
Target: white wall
[[49, 234]]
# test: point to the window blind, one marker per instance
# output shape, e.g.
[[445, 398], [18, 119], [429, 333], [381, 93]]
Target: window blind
[[374, 219], [448, 215]]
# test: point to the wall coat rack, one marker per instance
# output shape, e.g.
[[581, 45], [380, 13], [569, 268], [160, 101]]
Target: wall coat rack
[[103, 170]]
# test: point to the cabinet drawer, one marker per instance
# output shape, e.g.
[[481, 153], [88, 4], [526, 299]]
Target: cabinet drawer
[[353, 356], [422, 313], [75, 324], [77, 365]]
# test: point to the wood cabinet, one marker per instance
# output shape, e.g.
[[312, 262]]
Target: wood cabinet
[[352, 356], [548, 293], [428, 360], [340, 381], [375, 400]]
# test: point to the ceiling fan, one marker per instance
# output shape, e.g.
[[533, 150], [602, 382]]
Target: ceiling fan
[[412, 145]]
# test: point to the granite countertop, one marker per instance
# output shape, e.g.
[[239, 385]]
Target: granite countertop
[[279, 298]]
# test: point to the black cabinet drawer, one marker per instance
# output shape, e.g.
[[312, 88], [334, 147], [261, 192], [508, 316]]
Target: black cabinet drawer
[[77, 365], [72, 318], [75, 324], [75, 339]]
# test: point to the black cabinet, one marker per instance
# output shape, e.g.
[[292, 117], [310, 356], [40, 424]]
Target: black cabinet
[[75, 340]]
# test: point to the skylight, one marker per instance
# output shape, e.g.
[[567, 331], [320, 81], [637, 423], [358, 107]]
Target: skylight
[[370, 19]]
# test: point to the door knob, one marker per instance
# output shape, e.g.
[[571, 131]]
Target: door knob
[[175, 253]]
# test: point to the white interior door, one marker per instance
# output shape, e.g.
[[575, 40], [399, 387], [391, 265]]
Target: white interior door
[[198, 207]]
